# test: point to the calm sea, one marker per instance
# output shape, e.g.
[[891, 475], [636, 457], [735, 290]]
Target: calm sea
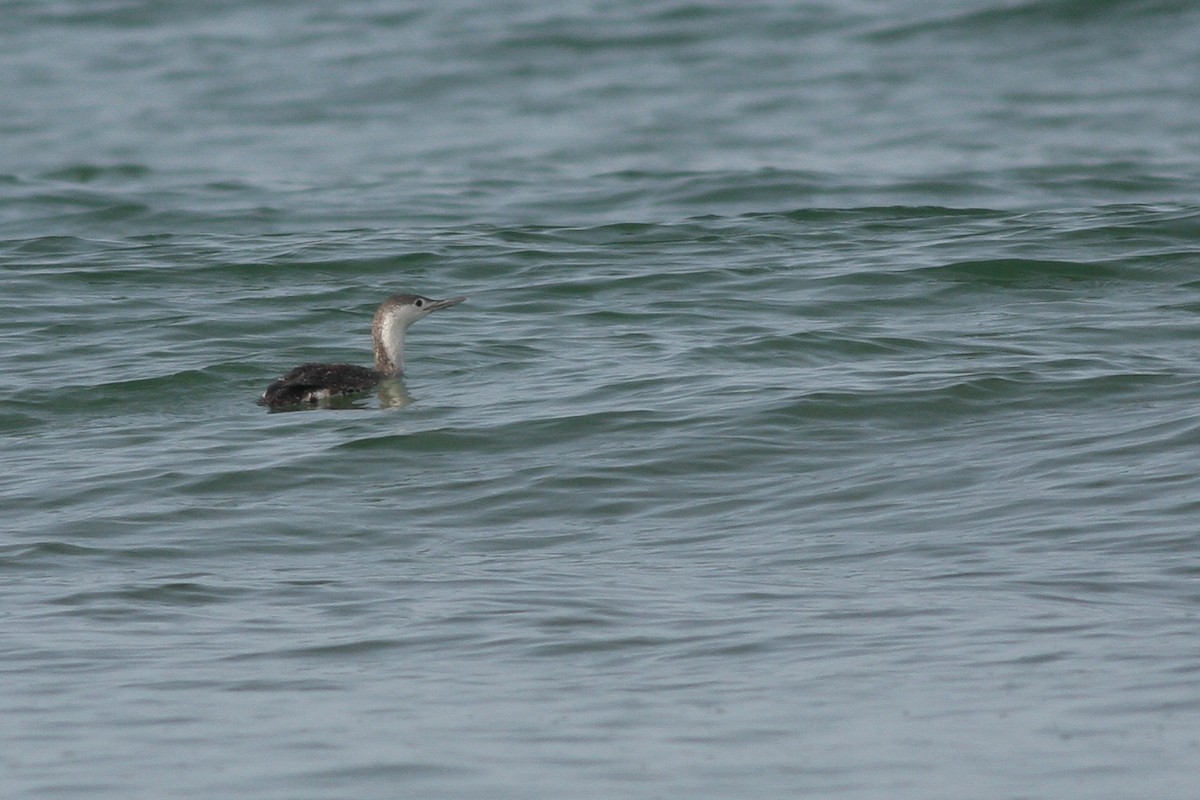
[[824, 420]]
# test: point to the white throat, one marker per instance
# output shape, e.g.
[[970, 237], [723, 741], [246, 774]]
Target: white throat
[[389, 344]]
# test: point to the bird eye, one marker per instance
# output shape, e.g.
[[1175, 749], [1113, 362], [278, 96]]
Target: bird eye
[[420, 303]]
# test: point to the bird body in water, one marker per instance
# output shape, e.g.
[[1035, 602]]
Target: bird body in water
[[310, 384]]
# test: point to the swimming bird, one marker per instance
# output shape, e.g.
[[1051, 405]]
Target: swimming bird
[[309, 384]]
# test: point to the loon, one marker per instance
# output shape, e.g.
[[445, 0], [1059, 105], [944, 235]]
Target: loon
[[309, 384]]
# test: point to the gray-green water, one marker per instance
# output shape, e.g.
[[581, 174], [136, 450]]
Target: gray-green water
[[823, 420]]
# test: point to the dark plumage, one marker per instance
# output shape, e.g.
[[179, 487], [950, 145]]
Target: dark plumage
[[309, 384]]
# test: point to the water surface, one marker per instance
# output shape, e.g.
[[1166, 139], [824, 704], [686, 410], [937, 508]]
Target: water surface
[[822, 420]]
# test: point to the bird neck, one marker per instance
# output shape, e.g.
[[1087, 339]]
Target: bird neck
[[389, 346]]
